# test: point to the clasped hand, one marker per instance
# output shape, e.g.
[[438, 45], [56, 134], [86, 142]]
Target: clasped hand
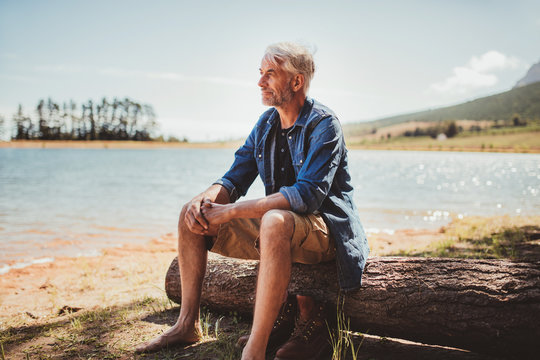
[[202, 213]]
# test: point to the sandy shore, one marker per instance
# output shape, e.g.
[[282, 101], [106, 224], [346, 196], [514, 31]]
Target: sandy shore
[[126, 273], [234, 144], [102, 307], [117, 276]]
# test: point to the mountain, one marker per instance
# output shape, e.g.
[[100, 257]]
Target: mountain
[[523, 101], [532, 76]]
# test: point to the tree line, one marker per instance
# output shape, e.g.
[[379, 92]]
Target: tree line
[[449, 128], [501, 108], [119, 119]]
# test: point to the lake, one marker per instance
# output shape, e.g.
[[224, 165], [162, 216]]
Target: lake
[[74, 202]]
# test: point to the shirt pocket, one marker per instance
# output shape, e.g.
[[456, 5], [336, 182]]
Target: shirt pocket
[[258, 153], [317, 239], [298, 160]]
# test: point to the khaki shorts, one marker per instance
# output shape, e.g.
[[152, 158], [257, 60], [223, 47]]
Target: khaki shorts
[[310, 244]]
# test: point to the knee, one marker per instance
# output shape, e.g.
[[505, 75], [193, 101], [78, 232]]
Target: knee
[[277, 222], [181, 217]]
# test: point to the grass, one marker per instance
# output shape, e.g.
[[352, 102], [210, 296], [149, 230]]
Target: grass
[[106, 331], [342, 338], [515, 238], [496, 140], [113, 332]]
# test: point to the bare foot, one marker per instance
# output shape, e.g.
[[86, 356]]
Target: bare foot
[[252, 354], [173, 336]]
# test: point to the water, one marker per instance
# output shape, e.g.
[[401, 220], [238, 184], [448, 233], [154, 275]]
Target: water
[[66, 202]]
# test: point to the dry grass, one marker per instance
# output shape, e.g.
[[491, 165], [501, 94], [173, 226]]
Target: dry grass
[[519, 142], [516, 238], [101, 308]]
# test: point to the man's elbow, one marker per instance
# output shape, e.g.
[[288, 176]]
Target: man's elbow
[[312, 200], [303, 199]]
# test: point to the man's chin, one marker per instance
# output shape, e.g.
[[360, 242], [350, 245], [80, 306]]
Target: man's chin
[[267, 102]]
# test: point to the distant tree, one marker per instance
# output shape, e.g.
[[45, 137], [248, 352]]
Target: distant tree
[[55, 123], [476, 128], [23, 125], [517, 121], [173, 138], [451, 129], [43, 128], [2, 126], [117, 120]]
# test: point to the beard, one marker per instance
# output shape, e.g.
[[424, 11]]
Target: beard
[[278, 97]]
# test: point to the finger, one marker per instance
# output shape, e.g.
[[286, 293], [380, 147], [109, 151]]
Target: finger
[[201, 219], [195, 212], [195, 227], [188, 220], [206, 205]]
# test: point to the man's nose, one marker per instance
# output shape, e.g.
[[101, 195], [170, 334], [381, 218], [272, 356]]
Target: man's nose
[[262, 81]]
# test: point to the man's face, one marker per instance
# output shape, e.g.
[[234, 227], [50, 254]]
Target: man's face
[[275, 84]]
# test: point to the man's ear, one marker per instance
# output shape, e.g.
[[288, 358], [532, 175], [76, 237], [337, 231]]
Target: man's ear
[[298, 82]]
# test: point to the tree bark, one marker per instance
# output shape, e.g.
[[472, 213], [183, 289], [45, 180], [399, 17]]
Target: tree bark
[[489, 306]]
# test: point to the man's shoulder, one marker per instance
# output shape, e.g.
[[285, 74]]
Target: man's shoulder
[[319, 112], [265, 117]]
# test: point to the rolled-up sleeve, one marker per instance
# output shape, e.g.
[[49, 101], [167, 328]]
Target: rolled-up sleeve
[[317, 173], [243, 170]]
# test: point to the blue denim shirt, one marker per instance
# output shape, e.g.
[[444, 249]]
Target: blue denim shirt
[[323, 182]]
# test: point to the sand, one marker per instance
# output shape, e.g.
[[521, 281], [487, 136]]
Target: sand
[[129, 272]]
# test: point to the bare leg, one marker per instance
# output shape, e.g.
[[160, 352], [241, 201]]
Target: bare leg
[[192, 257], [277, 227]]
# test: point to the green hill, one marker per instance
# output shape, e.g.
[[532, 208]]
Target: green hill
[[523, 101]]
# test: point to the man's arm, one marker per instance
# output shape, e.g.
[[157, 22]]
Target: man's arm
[[219, 214], [194, 219], [315, 178]]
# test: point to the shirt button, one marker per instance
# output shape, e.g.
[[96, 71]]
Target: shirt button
[[260, 155], [282, 134], [282, 169], [282, 150], [290, 137], [300, 161]]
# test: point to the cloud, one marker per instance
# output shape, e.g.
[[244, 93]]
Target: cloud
[[167, 76], [172, 76], [60, 68], [477, 73], [493, 61]]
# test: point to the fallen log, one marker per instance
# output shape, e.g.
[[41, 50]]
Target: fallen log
[[489, 306]]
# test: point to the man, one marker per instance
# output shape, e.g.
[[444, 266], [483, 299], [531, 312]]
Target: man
[[308, 216]]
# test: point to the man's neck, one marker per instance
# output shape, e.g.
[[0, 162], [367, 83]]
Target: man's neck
[[288, 113]]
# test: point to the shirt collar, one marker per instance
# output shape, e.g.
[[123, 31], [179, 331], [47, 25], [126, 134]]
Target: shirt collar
[[302, 117]]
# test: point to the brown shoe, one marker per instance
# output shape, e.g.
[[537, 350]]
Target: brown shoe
[[283, 326], [309, 341]]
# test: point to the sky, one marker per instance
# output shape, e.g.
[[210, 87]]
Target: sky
[[197, 62]]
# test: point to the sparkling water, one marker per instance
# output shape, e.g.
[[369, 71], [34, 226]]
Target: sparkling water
[[75, 202]]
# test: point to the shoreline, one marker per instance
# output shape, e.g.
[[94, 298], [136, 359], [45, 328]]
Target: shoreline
[[112, 144], [233, 144], [120, 274], [105, 305]]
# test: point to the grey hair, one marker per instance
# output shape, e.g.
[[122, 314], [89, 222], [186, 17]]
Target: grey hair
[[293, 58]]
